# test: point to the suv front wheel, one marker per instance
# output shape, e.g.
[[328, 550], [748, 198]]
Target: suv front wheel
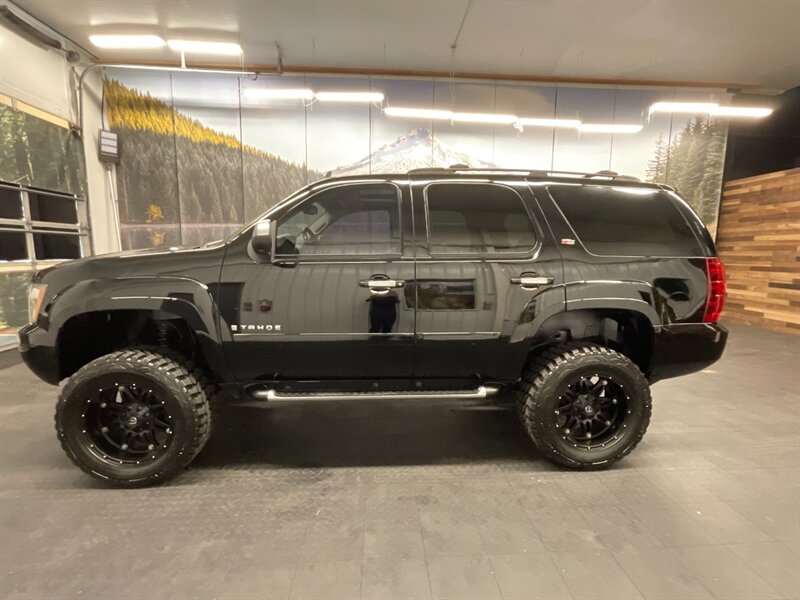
[[584, 406], [133, 417]]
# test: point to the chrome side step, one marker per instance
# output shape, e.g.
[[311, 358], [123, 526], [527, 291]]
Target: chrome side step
[[482, 391]]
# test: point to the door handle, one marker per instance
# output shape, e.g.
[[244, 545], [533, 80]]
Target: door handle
[[531, 280], [381, 286]]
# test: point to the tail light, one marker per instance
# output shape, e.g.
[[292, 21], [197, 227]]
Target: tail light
[[717, 290]]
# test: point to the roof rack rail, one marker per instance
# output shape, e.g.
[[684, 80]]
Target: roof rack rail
[[604, 174]]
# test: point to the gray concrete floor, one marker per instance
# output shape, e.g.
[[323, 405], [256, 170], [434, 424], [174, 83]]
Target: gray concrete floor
[[425, 500]]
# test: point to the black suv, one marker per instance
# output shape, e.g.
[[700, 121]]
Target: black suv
[[571, 292]]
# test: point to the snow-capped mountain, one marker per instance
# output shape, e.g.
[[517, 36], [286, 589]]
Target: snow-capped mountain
[[414, 150]]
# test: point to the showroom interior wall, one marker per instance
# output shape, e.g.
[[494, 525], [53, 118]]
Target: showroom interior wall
[[43, 152], [203, 153], [759, 223], [759, 242]]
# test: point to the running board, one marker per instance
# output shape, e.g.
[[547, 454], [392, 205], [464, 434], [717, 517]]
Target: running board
[[482, 391]]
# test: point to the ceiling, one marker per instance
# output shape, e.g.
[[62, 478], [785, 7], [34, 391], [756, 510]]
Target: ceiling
[[732, 42]]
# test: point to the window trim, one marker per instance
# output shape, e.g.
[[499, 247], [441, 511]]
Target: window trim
[[352, 258], [513, 255]]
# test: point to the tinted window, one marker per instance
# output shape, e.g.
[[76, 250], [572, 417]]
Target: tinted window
[[477, 219], [345, 220], [626, 221]]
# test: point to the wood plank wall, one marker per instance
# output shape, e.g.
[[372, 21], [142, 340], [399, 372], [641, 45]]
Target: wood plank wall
[[758, 239]]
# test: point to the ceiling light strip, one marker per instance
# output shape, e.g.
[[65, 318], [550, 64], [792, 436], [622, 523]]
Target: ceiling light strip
[[349, 96], [127, 42], [711, 108], [202, 47]]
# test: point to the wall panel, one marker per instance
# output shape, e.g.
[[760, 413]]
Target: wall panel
[[223, 149], [759, 241]]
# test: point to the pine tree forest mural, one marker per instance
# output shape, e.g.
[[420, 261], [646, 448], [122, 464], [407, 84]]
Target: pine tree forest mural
[[201, 155], [38, 153]]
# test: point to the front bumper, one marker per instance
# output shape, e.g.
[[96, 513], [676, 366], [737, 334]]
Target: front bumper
[[38, 351], [686, 348]]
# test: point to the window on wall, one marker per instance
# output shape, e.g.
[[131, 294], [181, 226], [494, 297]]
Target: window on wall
[[465, 218], [37, 225], [349, 220]]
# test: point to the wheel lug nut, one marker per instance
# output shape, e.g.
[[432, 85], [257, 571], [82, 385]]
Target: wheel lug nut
[[150, 446], [613, 401], [124, 446], [608, 423], [104, 429], [103, 405]]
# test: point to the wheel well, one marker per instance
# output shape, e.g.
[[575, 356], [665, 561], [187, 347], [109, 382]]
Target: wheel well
[[90, 335], [626, 331]]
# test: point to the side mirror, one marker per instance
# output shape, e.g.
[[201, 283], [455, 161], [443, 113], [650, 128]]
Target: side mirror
[[261, 241]]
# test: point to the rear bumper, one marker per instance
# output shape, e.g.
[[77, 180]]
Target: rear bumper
[[39, 353], [686, 348]]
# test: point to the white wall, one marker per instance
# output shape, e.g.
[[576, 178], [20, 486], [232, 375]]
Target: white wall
[[105, 236], [37, 75], [43, 78]]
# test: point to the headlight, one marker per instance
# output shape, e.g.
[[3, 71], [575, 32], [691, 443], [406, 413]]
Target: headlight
[[36, 293]]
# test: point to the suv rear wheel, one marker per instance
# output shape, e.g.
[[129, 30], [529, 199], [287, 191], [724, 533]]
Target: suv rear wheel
[[133, 417], [584, 406]]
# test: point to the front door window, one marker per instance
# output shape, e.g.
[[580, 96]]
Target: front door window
[[349, 220]]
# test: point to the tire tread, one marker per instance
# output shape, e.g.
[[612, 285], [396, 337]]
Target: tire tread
[[194, 387], [531, 401]]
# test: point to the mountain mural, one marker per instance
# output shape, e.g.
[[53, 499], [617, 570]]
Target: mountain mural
[[414, 150]]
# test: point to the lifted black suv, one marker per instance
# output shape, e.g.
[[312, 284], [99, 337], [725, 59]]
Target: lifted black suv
[[572, 291]]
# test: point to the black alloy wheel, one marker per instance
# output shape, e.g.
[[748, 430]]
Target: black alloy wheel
[[128, 422], [591, 411]]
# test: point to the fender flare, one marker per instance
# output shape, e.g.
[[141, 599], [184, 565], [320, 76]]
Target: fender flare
[[182, 297]]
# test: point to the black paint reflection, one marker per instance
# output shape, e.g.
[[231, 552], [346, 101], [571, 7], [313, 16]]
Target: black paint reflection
[[383, 311]]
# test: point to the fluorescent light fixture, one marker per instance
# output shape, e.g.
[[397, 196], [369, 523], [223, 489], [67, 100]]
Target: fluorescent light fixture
[[127, 41], [200, 47], [446, 115], [418, 113], [742, 111], [278, 94], [683, 107], [532, 122], [609, 128], [484, 118], [349, 96], [711, 108]]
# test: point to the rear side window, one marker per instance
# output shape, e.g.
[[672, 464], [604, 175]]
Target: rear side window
[[466, 218], [626, 221]]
